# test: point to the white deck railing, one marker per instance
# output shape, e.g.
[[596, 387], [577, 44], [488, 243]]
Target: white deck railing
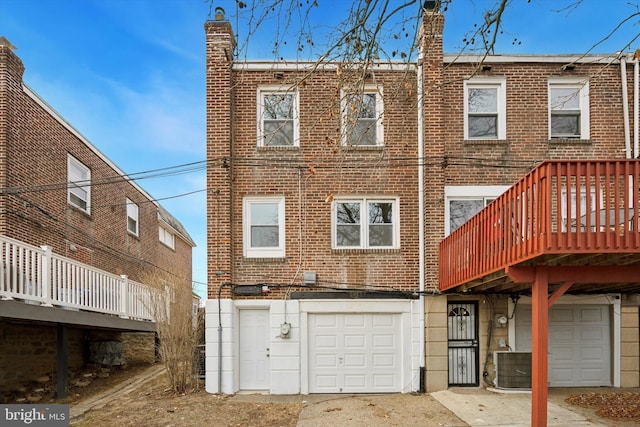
[[38, 276]]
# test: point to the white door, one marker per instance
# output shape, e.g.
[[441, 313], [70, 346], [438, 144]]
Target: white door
[[254, 349], [579, 344], [355, 353]]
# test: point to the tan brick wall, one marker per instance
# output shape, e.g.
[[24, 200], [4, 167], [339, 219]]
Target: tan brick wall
[[629, 347], [436, 350]]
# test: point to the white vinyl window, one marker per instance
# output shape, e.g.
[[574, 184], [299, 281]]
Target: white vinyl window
[[132, 218], [463, 202], [368, 223], [278, 122], [568, 109], [79, 189], [264, 227], [167, 237], [485, 108], [362, 117], [570, 213]]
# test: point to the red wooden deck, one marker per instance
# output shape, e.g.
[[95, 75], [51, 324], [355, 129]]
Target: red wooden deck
[[567, 226], [563, 213]]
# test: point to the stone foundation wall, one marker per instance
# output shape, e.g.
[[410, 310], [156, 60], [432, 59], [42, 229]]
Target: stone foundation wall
[[139, 348], [28, 352]]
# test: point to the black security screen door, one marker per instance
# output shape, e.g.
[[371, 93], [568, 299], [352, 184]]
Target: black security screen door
[[462, 326]]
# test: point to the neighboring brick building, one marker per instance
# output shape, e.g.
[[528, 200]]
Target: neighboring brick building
[[330, 190], [60, 191]]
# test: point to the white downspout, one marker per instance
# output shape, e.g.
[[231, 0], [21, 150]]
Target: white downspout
[[421, 267], [625, 107]]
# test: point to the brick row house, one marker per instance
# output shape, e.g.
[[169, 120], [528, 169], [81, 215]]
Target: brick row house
[[79, 240], [344, 250]]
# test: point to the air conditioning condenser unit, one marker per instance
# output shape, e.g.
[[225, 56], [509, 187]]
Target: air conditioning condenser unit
[[513, 369]]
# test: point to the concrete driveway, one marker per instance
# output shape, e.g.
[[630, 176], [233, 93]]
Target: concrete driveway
[[486, 408], [453, 408]]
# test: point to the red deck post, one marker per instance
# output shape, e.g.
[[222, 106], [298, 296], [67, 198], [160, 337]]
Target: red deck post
[[539, 354]]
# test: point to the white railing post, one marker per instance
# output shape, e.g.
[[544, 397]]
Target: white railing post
[[45, 276], [124, 295]]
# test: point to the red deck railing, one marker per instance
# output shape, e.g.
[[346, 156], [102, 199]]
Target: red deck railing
[[560, 207]]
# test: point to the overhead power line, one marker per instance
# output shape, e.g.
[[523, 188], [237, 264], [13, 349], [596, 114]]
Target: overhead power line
[[136, 176], [379, 163]]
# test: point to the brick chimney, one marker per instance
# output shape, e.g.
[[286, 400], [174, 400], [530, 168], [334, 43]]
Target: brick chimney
[[11, 71], [220, 45], [9, 61]]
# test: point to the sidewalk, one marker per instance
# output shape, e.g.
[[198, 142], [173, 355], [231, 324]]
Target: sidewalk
[[487, 409]]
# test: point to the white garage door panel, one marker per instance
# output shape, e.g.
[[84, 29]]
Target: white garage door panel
[[326, 361], [355, 361], [355, 381], [579, 344], [354, 341], [327, 382], [354, 353], [380, 381], [383, 360]]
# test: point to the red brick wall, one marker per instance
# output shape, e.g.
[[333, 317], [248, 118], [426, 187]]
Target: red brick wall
[[219, 54], [320, 167], [449, 160], [33, 152], [527, 139], [434, 133]]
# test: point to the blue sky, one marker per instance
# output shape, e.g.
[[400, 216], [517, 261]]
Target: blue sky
[[129, 74]]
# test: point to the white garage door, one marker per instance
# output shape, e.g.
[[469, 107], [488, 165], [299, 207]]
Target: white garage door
[[579, 344], [354, 353]]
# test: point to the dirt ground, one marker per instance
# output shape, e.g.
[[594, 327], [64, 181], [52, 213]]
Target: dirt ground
[[153, 404]]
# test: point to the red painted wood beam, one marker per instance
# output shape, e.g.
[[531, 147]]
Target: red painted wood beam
[[558, 293], [539, 346], [578, 274]]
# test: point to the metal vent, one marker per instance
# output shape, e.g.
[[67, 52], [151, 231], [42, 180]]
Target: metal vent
[[513, 369]]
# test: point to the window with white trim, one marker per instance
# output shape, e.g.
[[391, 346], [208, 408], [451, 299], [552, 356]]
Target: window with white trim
[[485, 108], [132, 217], [463, 202], [79, 189], [569, 213], [568, 108], [362, 117], [264, 227], [369, 223], [278, 122], [167, 237]]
